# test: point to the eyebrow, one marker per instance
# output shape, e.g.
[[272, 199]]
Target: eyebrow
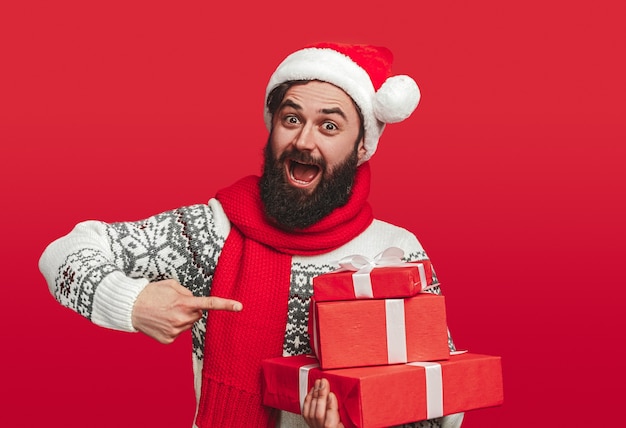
[[296, 106], [335, 110], [290, 103]]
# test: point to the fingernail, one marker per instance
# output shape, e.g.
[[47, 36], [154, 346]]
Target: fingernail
[[237, 307]]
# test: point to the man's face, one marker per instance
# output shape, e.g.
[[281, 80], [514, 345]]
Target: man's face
[[312, 154], [317, 119]]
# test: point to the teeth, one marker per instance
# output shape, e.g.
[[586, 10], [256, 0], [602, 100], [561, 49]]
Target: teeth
[[296, 180]]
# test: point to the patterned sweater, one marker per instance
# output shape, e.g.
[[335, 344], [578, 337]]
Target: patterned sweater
[[99, 269]]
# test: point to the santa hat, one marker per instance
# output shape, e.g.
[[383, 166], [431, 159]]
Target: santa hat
[[364, 73]]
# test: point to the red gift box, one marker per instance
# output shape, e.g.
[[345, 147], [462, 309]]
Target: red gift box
[[355, 333], [383, 396], [372, 282]]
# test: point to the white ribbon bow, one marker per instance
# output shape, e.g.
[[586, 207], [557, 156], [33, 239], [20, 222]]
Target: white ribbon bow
[[392, 256], [362, 266]]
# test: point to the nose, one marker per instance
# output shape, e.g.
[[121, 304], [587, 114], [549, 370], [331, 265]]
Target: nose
[[305, 139]]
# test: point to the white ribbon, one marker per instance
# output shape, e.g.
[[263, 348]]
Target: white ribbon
[[434, 388], [363, 265], [303, 382], [396, 331], [314, 339]]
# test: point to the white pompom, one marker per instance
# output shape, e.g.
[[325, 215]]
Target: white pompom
[[396, 99]]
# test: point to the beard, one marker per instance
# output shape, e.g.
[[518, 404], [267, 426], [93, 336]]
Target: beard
[[292, 208]]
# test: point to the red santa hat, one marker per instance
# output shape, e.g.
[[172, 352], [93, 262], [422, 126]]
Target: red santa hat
[[364, 73]]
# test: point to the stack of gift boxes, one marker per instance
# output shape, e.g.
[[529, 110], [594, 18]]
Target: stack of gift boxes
[[381, 340]]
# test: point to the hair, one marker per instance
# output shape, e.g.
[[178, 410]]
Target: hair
[[276, 96]]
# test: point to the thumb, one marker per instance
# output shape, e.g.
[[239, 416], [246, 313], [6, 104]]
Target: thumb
[[213, 303], [332, 411]]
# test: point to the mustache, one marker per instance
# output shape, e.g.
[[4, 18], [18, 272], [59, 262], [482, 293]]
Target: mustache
[[302, 157]]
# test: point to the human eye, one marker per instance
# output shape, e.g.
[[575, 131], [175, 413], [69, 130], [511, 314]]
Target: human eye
[[329, 126], [291, 119]]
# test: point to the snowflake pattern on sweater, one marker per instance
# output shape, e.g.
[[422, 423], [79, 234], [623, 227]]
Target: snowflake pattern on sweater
[[185, 244]]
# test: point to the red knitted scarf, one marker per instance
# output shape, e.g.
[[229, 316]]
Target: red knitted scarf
[[255, 269]]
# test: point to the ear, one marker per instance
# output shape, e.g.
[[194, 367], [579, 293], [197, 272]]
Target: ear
[[361, 149]]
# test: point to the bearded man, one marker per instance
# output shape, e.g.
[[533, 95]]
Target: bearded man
[[238, 270]]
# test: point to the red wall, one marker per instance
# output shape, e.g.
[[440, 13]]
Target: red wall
[[510, 173]]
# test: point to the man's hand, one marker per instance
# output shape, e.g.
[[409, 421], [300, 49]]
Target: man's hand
[[320, 408], [165, 309]]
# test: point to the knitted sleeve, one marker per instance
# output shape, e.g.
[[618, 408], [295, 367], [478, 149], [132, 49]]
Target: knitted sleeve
[[99, 269]]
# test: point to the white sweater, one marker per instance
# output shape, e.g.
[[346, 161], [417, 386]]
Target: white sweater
[[99, 269]]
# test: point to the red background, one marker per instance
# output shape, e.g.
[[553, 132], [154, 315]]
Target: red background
[[510, 173]]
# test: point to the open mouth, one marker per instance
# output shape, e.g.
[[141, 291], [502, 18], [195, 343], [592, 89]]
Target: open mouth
[[303, 174]]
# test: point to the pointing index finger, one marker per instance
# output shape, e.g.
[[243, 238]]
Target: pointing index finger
[[213, 303]]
